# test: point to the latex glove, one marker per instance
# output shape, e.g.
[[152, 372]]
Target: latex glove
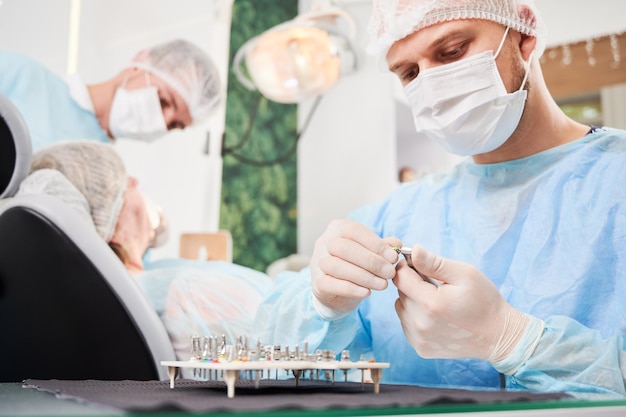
[[348, 262], [464, 317]]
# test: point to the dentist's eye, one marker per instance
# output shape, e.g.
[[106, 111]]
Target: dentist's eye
[[409, 76], [452, 53]]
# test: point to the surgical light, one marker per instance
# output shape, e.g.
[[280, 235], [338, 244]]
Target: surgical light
[[298, 59]]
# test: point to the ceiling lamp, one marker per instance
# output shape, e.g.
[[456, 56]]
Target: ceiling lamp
[[298, 59]]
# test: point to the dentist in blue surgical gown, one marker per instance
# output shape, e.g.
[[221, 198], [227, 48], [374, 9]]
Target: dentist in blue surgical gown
[[168, 86], [526, 238]]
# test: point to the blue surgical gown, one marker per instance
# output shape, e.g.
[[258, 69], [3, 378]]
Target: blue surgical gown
[[549, 230], [45, 102]]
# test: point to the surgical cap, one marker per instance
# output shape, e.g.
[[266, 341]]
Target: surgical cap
[[96, 170], [52, 182], [393, 20], [188, 70]]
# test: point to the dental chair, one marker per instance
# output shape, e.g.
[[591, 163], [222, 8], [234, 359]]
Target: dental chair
[[69, 309]]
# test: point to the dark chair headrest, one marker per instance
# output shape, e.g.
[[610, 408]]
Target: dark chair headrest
[[15, 148]]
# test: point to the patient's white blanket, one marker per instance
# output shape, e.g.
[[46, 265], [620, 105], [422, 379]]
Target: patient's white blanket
[[204, 298]]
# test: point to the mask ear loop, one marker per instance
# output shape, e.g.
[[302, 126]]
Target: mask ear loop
[[526, 64], [526, 70], [149, 84], [146, 74], [506, 32], [123, 85]]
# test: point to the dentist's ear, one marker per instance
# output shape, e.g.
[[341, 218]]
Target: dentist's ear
[[141, 56], [527, 43]]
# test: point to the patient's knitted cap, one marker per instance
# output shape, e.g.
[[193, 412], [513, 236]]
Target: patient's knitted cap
[[96, 170]]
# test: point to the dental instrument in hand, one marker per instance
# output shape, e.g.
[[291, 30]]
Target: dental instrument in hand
[[406, 252]]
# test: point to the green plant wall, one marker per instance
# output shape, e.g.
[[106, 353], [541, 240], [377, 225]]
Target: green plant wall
[[258, 203]]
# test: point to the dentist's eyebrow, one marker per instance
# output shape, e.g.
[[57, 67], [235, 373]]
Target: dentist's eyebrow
[[436, 43]]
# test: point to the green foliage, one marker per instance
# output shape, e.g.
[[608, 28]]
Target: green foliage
[[259, 203]]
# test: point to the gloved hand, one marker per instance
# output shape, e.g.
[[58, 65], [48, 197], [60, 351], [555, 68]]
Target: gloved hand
[[464, 317], [349, 261]]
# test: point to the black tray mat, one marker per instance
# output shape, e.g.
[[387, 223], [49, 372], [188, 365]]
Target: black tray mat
[[210, 396]]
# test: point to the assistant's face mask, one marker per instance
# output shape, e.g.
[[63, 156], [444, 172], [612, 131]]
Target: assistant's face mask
[[137, 114], [464, 105]]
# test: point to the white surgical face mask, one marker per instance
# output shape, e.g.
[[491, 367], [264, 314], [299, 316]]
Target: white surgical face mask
[[137, 114], [464, 105]]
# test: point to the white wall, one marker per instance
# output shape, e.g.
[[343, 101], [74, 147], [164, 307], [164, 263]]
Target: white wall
[[575, 20], [347, 156], [38, 28]]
